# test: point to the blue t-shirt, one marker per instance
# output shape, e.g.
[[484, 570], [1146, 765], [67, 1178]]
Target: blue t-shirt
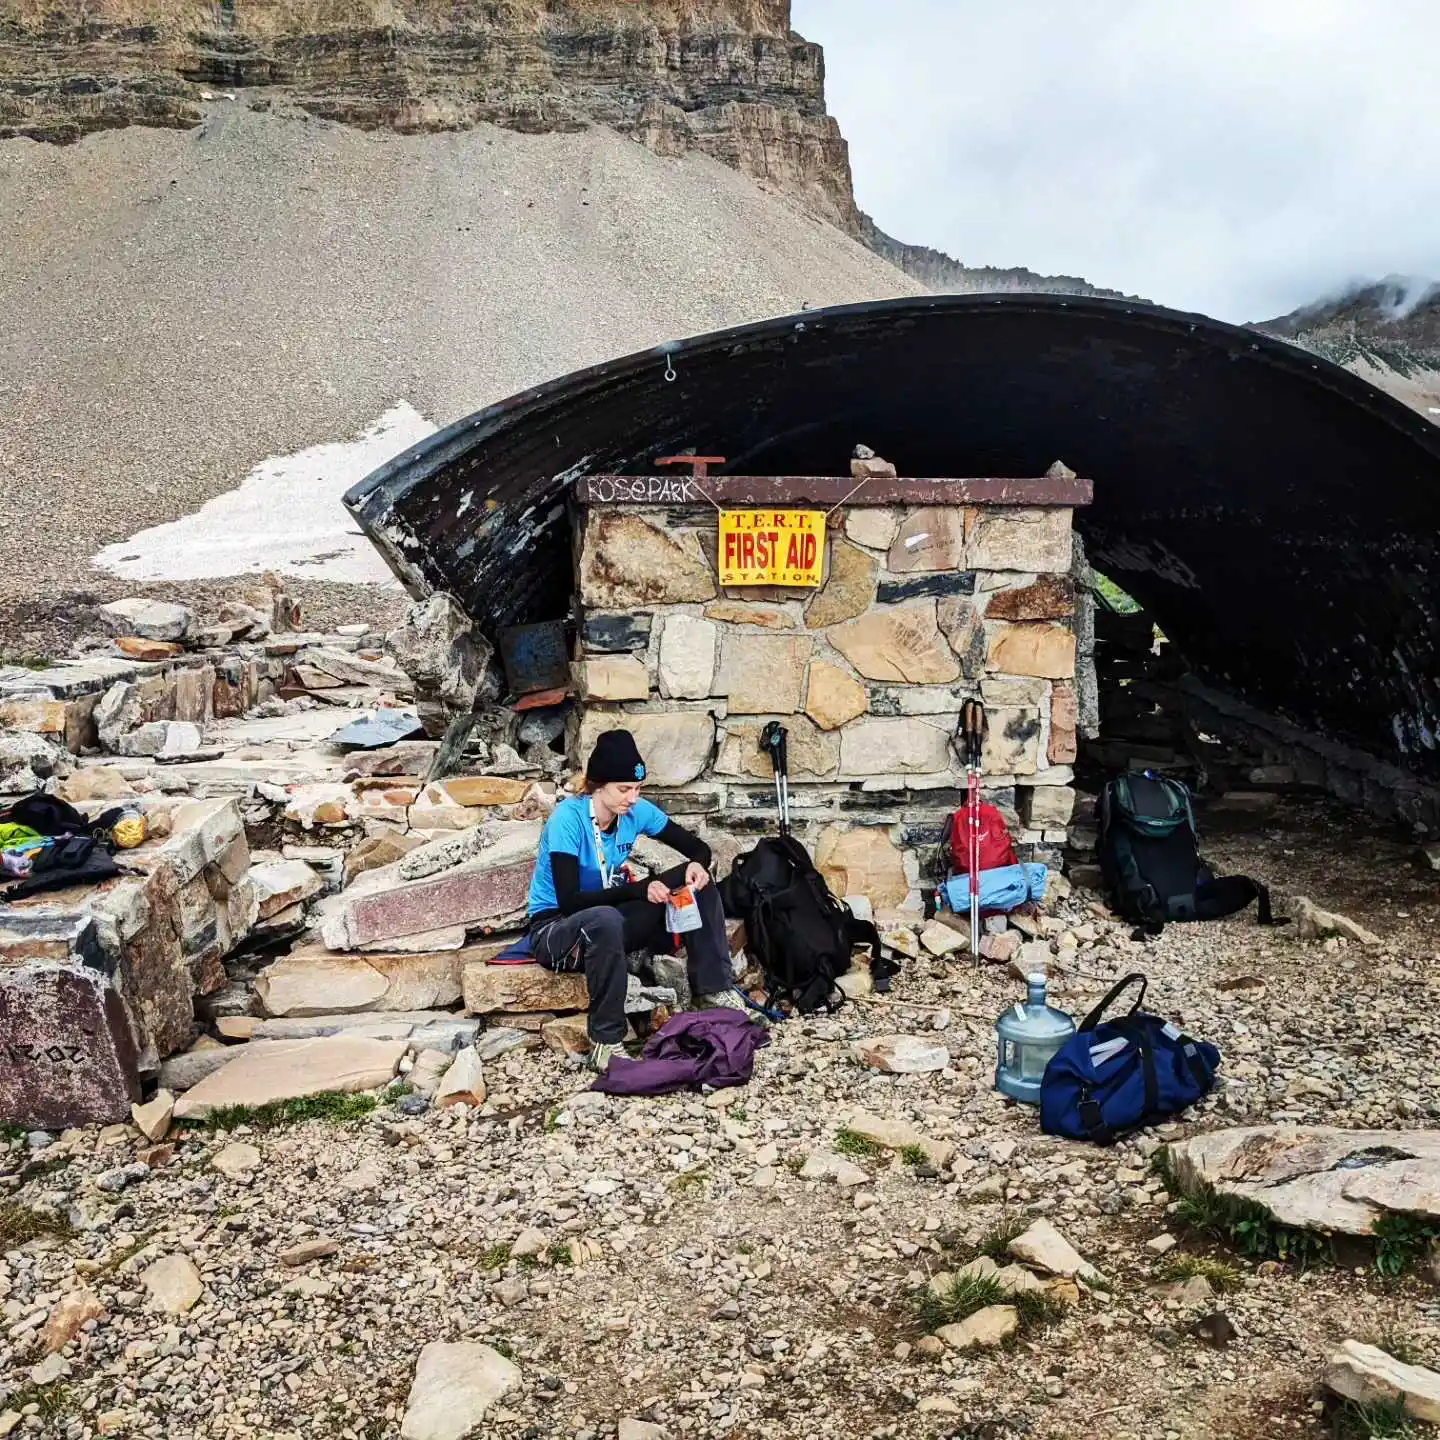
[[570, 831]]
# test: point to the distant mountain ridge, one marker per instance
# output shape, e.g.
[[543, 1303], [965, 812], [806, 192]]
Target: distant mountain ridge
[[941, 272], [1387, 331]]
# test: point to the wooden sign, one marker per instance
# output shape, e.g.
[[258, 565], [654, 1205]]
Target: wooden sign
[[772, 547]]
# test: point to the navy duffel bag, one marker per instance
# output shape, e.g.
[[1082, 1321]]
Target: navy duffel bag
[[1114, 1076]]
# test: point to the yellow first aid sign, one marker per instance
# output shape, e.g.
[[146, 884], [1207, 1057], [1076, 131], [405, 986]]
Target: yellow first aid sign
[[772, 547]]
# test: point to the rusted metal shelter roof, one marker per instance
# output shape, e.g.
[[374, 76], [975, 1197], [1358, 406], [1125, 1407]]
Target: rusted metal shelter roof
[[1277, 514]]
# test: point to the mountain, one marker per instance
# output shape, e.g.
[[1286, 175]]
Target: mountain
[[936, 270], [1387, 331], [725, 78], [196, 278]]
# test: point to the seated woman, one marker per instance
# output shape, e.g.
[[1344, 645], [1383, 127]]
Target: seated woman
[[585, 913]]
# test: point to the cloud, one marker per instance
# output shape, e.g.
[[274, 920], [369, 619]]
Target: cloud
[[1240, 157]]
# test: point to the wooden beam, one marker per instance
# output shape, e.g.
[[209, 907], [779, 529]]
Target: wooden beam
[[828, 490]]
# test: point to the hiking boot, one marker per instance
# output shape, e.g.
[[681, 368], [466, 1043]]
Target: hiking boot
[[601, 1055], [721, 1000]]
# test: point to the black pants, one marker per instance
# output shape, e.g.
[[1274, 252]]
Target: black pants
[[598, 939]]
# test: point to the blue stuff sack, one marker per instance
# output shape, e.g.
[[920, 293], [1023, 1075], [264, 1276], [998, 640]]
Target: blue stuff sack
[[1115, 1076], [1005, 888]]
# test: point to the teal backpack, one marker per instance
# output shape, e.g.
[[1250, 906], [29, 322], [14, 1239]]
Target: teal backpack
[[1150, 857]]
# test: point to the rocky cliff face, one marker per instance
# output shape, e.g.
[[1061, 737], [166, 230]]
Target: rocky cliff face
[[727, 78]]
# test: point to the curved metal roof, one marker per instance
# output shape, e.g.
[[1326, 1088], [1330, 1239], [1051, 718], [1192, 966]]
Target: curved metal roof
[[1276, 513]]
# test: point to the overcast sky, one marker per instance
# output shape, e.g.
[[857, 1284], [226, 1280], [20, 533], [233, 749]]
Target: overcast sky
[[1237, 157]]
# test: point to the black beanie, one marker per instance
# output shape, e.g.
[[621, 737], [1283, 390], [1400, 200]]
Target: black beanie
[[615, 759]]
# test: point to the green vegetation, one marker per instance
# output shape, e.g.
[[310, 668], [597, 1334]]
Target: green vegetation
[[1242, 1224], [559, 1253], [914, 1155], [738, 1112], [1116, 599], [1401, 1242], [19, 1223], [957, 1301], [996, 1242], [1252, 1230], [1221, 1275], [52, 1401], [495, 1257], [967, 1294], [850, 1142], [1038, 1309], [329, 1106], [552, 1121], [1384, 1421], [11, 1134], [24, 660], [688, 1180]]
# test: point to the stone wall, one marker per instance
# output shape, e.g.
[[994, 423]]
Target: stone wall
[[921, 609]]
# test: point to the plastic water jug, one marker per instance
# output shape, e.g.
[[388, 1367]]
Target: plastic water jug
[[1027, 1036]]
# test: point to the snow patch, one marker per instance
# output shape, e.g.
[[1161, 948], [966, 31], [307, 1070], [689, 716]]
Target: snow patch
[[285, 516]]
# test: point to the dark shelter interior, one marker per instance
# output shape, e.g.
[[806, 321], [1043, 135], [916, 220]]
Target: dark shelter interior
[[1276, 515]]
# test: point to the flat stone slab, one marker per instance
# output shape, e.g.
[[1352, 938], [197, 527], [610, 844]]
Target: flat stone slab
[[307, 983], [521, 989], [1369, 1376], [290, 1069], [1317, 1177]]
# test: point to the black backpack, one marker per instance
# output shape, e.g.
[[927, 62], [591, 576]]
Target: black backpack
[[796, 931], [1150, 857]]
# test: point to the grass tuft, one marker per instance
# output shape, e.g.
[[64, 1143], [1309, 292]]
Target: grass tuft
[[1220, 1273], [1386, 1420], [11, 1134], [1251, 1229], [996, 1241], [914, 1155], [559, 1253], [19, 1223], [331, 1107], [957, 1301], [51, 1401], [1038, 1309], [496, 1257], [849, 1142], [688, 1180], [967, 1294]]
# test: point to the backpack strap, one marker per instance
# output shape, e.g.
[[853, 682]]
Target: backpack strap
[[1229, 894], [1098, 1013]]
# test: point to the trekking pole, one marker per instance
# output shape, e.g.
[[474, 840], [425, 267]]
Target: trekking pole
[[785, 774], [772, 741], [972, 722]]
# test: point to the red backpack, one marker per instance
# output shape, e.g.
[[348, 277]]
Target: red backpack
[[995, 847]]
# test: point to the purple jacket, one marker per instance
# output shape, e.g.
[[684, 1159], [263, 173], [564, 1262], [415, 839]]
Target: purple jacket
[[701, 1047]]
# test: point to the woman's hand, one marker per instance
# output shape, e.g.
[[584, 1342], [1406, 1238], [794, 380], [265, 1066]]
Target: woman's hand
[[658, 894], [697, 877]]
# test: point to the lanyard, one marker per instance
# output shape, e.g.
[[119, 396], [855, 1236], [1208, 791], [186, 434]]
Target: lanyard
[[600, 859]]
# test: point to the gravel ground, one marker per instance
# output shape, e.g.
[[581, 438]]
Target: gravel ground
[[181, 305], [718, 1293]]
